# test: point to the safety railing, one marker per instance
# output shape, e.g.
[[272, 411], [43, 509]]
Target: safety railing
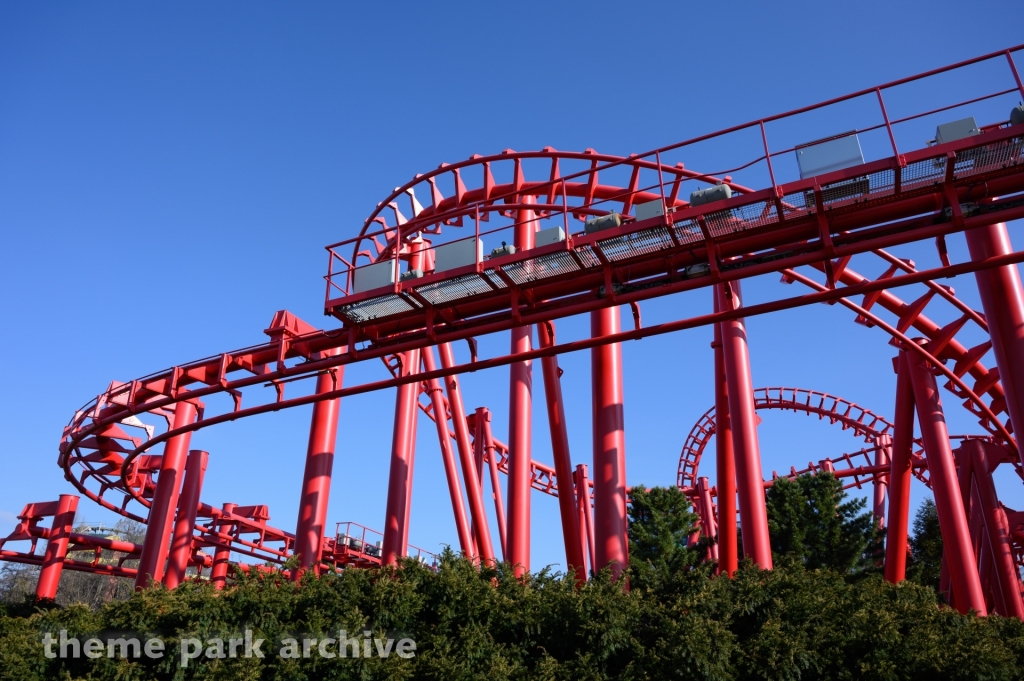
[[359, 539], [659, 177]]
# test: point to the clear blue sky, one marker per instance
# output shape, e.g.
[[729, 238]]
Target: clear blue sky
[[169, 175]]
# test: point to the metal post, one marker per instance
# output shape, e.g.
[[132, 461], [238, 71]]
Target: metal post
[[185, 520], [490, 453], [470, 471], [743, 420], [956, 538], [709, 527], [403, 452], [316, 477], [451, 471], [56, 547], [611, 543], [1002, 299], [997, 529], [403, 441], [989, 583], [768, 158], [725, 460], [520, 420], [221, 555], [560, 451], [165, 499], [880, 483], [586, 519], [899, 475]]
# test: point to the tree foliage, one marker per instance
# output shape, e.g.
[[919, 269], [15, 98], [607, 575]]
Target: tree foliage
[[924, 563], [676, 621], [812, 520], [661, 521]]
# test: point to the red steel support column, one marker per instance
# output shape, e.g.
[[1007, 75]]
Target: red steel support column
[[221, 555], [611, 543], [470, 472], [165, 499], [403, 444], [489, 455], [998, 530], [560, 452], [956, 538], [725, 462], [707, 515], [451, 471], [972, 504], [403, 452], [989, 582], [56, 547], [185, 521], [586, 519], [316, 477], [520, 421], [883, 454], [899, 475], [1002, 298], [743, 420]]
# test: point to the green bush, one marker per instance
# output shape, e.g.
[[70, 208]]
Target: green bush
[[820, 616]]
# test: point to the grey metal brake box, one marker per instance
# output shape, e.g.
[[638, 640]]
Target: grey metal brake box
[[546, 237], [718, 192], [956, 130], [826, 157], [374, 276], [645, 211], [457, 254]]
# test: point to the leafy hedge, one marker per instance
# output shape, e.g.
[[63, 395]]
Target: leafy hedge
[[789, 623], [678, 620]]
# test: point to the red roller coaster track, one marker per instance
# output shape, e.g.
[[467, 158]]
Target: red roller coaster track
[[408, 287]]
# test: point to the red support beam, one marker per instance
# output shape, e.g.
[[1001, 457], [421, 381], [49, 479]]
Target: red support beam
[[486, 439], [470, 471], [611, 543], [185, 521], [56, 547], [997, 529], [403, 442], [743, 421], [1002, 299], [963, 569], [403, 453], [222, 554], [165, 499], [316, 476], [880, 485], [520, 420], [560, 451], [706, 508], [451, 470], [583, 505], [900, 471], [725, 462]]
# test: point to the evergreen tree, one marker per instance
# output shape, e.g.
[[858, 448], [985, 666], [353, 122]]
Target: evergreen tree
[[812, 521], [925, 560], [661, 521]]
